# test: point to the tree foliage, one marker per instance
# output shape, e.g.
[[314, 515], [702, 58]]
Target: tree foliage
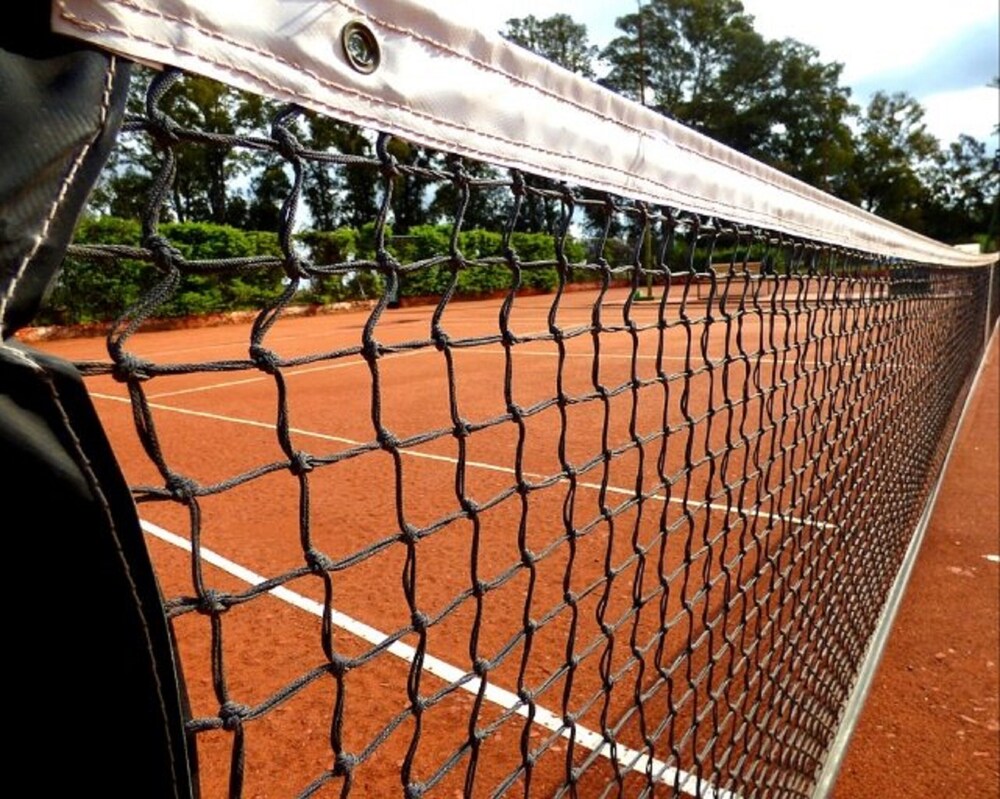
[[702, 63], [673, 51], [207, 173], [808, 136], [98, 290], [338, 194], [965, 193], [558, 38], [894, 154]]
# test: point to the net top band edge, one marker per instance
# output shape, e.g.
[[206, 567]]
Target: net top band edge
[[470, 92]]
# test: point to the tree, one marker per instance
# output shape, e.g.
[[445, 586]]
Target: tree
[[269, 190], [737, 107], [485, 208], [995, 84], [685, 45], [206, 172], [558, 38], [409, 191], [808, 137], [894, 156], [702, 62], [338, 194], [965, 184]]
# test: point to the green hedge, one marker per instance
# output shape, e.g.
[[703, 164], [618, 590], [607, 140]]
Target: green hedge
[[425, 242], [89, 290]]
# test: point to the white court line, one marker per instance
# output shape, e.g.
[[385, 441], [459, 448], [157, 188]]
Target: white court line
[[361, 362], [625, 756], [696, 359], [471, 319], [491, 467], [294, 372], [588, 355], [698, 362]]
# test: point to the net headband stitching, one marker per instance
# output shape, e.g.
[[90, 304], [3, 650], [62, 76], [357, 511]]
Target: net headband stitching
[[885, 242]]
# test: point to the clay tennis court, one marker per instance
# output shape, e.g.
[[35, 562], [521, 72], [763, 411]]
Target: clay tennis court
[[453, 549]]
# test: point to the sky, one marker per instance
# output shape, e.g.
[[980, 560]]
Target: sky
[[942, 53]]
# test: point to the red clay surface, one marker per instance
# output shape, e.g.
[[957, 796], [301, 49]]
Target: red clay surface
[[931, 726], [214, 426]]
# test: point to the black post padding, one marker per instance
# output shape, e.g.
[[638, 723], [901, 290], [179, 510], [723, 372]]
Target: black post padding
[[61, 105], [95, 700], [103, 707]]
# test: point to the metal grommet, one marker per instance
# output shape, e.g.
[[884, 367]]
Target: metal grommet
[[360, 47]]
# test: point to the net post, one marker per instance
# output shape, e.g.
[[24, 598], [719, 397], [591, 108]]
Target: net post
[[987, 328]]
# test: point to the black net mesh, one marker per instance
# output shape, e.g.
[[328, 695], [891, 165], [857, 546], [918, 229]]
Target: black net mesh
[[616, 512]]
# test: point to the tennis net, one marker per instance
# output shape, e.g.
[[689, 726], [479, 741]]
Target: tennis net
[[589, 492]]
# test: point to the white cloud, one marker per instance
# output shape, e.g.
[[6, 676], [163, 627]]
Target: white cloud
[[971, 111], [872, 38]]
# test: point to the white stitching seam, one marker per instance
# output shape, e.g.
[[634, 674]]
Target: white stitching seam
[[817, 231], [95, 485], [82, 461], [754, 216]]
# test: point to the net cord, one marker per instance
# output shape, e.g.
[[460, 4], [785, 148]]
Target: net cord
[[429, 87], [987, 327]]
